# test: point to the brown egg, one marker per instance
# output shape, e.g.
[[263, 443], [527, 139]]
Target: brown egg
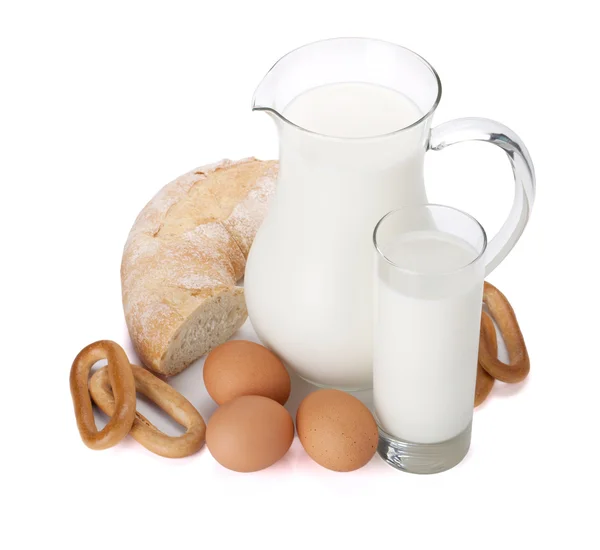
[[249, 433], [336, 430], [239, 367]]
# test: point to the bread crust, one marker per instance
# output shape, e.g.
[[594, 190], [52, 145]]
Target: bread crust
[[188, 247]]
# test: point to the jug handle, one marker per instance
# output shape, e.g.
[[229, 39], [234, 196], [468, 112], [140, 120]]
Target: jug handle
[[483, 129]]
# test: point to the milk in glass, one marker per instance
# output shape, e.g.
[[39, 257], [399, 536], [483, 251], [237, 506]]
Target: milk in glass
[[426, 336]]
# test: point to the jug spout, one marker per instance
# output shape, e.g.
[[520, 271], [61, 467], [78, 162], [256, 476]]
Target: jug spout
[[283, 82], [265, 96]]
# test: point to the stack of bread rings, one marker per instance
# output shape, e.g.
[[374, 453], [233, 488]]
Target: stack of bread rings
[[113, 389], [490, 368]]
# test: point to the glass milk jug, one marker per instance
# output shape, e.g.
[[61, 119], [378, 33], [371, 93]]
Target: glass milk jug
[[354, 122]]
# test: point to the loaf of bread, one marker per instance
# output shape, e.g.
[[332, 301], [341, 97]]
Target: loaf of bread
[[184, 255]]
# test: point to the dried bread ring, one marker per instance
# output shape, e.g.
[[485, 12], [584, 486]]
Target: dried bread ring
[[118, 373], [503, 314], [485, 381], [169, 400]]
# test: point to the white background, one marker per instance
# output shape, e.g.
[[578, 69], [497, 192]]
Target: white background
[[102, 103]]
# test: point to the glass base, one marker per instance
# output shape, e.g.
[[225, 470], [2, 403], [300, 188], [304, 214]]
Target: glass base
[[423, 458]]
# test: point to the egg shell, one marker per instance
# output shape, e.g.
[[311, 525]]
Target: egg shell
[[337, 430], [240, 367], [249, 433]]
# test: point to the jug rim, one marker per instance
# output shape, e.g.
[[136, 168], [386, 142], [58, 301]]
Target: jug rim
[[280, 115]]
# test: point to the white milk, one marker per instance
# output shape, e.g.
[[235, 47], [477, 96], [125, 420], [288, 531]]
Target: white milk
[[352, 110], [427, 337], [309, 276]]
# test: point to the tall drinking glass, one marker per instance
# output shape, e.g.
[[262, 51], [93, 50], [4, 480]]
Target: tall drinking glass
[[430, 269]]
